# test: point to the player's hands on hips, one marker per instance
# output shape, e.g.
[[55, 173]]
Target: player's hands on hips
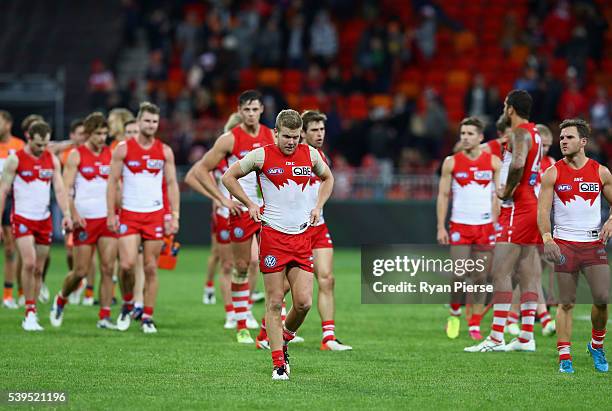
[[112, 223], [606, 231], [254, 212], [234, 207], [67, 223], [552, 252], [442, 236], [315, 215]]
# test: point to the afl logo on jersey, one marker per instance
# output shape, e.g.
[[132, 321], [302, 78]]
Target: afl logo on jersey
[[87, 170], [588, 187], [26, 173], [301, 171], [562, 188], [483, 175], [270, 261], [155, 164], [275, 170], [461, 175], [133, 163]]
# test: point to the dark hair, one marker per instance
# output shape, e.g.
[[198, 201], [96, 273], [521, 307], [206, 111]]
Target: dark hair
[[521, 102], [249, 95], [147, 107], [473, 121], [27, 122], [502, 123], [94, 121], [6, 116], [76, 123], [584, 130], [39, 127], [312, 116]]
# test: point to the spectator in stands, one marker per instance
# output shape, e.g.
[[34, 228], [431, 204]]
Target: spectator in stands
[[323, 38], [101, 84], [600, 111], [334, 84], [295, 46], [435, 121], [477, 98], [188, 33], [425, 35], [573, 103], [269, 44]]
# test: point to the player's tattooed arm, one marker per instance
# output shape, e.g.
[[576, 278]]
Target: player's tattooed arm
[[496, 172], [520, 140], [253, 161], [444, 191], [606, 180], [70, 171], [321, 170], [173, 190], [6, 183], [545, 199], [112, 192], [61, 196]]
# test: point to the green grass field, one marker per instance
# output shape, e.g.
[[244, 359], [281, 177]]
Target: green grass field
[[401, 357]]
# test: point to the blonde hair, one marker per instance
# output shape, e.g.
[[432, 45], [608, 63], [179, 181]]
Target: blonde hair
[[123, 115], [290, 119]]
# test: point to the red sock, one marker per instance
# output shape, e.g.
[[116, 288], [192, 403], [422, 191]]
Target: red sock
[[210, 284], [128, 301], [513, 318], [288, 335], [30, 307], [597, 338], [240, 300], [544, 318], [529, 303], [329, 329], [502, 301], [564, 350], [105, 312], [61, 301], [8, 290], [455, 310], [278, 358], [263, 334], [229, 308], [475, 321], [19, 292], [147, 312]]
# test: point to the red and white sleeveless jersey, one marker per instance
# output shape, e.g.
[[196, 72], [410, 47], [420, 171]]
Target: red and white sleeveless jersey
[[284, 180], [472, 187], [577, 202], [32, 185], [91, 181], [525, 194], [218, 174], [243, 144], [495, 147], [313, 189], [547, 161], [143, 174]]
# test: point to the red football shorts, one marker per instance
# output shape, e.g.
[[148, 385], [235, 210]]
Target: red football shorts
[[221, 228], [320, 237], [519, 225], [278, 251], [42, 230], [242, 227], [481, 237], [94, 229], [150, 226], [576, 255]]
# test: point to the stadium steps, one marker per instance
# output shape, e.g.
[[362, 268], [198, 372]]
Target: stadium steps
[[132, 64]]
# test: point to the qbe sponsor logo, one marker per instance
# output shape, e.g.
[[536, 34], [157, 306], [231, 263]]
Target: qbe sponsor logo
[[588, 187], [300, 171], [270, 261], [45, 173], [483, 175], [155, 164]]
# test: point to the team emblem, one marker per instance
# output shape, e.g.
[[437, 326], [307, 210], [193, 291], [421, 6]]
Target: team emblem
[[588, 187], [45, 173], [270, 261], [23, 229], [155, 164], [123, 229], [225, 235], [83, 236], [301, 171], [238, 232], [486, 175], [564, 187], [562, 260], [275, 170], [455, 236]]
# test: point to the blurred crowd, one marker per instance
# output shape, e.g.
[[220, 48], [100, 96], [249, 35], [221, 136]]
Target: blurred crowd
[[393, 77]]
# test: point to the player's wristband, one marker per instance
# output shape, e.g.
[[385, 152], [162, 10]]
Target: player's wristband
[[546, 237]]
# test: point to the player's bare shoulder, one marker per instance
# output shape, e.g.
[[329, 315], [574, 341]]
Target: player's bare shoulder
[[168, 152], [604, 174], [120, 151], [550, 175], [225, 143], [448, 164]]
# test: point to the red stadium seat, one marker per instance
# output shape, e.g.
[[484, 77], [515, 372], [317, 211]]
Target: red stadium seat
[[248, 79], [291, 81]]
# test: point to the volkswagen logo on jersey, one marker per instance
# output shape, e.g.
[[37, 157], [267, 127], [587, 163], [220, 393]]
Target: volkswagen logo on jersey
[[123, 229], [562, 260], [238, 232], [83, 236], [270, 261], [564, 187], [225, 235], [23, 229], [275, 170], [456, 236], [300, 171]]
